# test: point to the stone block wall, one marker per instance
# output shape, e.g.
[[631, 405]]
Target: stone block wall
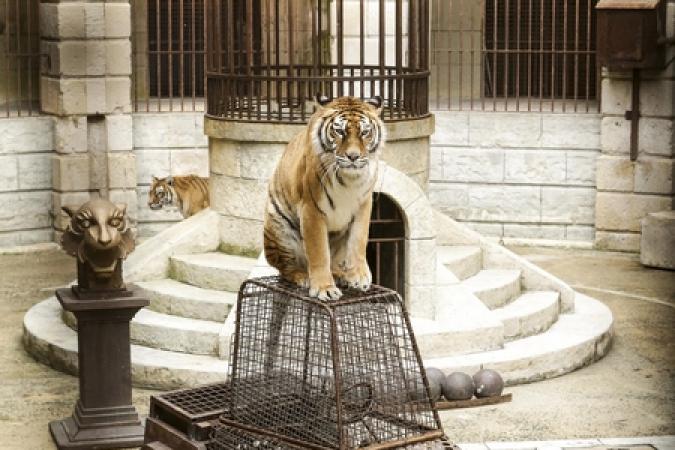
[[166, 144], [517, 175], [26, 148], [629, 190]]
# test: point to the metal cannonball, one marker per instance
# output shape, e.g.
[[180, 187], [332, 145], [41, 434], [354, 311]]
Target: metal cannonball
[[488, 383], [435, 378], [458, 386]]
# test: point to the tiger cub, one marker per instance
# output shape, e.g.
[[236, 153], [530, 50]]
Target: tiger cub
[[320, 197], [189, 193]]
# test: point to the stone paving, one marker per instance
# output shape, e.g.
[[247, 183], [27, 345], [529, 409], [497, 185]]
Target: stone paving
[[631, 392]]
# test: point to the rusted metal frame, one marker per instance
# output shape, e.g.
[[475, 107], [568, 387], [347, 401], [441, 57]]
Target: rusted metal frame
[[335, 348], [291, 59], [271, 434]]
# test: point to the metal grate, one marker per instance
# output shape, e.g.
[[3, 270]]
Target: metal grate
[[268, 58], [514, 55], [19, 58], [339, 374], [168, 55], [386, 244]]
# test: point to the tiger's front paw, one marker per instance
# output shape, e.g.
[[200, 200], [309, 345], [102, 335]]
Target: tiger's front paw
[[325, 292], [358, 278]]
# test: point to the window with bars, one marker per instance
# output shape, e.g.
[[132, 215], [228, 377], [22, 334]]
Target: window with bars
[[514, 55]]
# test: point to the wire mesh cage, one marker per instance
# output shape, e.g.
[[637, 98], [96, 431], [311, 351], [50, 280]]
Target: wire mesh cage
[[334, 375], [266, 59]]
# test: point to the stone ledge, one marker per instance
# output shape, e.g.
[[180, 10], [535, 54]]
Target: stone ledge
[[281, 132]]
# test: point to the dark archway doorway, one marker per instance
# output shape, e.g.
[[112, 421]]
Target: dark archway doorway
[[386, 244]]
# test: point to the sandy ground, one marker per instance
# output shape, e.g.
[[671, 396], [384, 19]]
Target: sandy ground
[[631, 392]]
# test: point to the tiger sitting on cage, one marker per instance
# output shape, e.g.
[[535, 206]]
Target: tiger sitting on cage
[[189, 193], [320, 197]]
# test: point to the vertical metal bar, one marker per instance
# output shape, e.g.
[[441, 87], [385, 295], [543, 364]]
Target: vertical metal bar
[[588, 55], [472, 62], [635, 115], [483, 54], [340, 43], [362, 45], [181, 17], [576, 54], [193, 57], [494, 56], [461, 58], [147, 59], [378, 251], [19, 78], [541, 55], [518, 55], [553, 54], [381, 48], [564, 56], [507, 16], [399, 57], [29, 58], [396, 280], [529, 56], [291, 64], [268, 56], [158, 49], [249, 55], [7, 59], [316, 48], [413, 52], [205, 56], [169, 42], [277, 47]]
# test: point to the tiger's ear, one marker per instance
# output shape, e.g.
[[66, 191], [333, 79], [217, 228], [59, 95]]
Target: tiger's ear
[[169, 180], [155, 179], [376, 102], [321, 100]]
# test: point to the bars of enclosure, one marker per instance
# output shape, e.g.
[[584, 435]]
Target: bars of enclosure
[[168, 55], [514, 55], [268, 58], [19, 58]]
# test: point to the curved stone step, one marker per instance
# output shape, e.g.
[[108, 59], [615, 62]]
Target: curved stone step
[[213, 270], [495, 287], [574, 341], [180, 299], [51, 342], [531, 313], [179, 334], [463, 261]]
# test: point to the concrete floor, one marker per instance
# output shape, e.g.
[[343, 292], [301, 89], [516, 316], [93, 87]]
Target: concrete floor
[[631, 392]]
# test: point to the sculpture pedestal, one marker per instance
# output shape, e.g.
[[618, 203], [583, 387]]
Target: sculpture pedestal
[[104, 416]]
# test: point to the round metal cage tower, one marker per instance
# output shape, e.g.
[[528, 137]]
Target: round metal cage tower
[[266, 59]]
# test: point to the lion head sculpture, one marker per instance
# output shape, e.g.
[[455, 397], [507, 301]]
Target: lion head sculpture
[[100, 238]]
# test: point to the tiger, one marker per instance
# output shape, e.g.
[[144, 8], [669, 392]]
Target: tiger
[[317, 214], [190, 193]]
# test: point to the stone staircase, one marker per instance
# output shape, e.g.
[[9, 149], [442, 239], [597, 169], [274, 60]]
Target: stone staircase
[[486, 315]]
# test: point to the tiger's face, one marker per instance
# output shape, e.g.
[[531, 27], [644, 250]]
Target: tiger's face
[[348, 134], [161, 193]]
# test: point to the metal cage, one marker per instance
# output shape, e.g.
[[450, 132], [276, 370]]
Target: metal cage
[[332, 375], [266, 59]]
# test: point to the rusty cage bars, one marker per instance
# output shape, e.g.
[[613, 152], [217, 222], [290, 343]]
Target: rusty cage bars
[[266, 59], [514, 55], [19, 58]]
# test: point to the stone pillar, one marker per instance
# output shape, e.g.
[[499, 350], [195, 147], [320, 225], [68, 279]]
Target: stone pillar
[[629, 190], [86, 84]]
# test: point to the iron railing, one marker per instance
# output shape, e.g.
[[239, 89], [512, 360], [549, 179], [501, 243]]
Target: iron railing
[[19, 58], [268, 58], [168, 55], [514, 55]]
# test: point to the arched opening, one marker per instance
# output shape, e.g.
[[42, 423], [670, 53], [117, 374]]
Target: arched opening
[[386, 244]]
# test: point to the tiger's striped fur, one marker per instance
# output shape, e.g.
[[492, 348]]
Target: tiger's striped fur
[[320, 197], [189, 193]]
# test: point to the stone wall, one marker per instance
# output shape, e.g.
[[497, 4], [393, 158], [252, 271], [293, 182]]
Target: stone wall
[[26, 149], [167, 143], [629, 190], [517, 175]]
